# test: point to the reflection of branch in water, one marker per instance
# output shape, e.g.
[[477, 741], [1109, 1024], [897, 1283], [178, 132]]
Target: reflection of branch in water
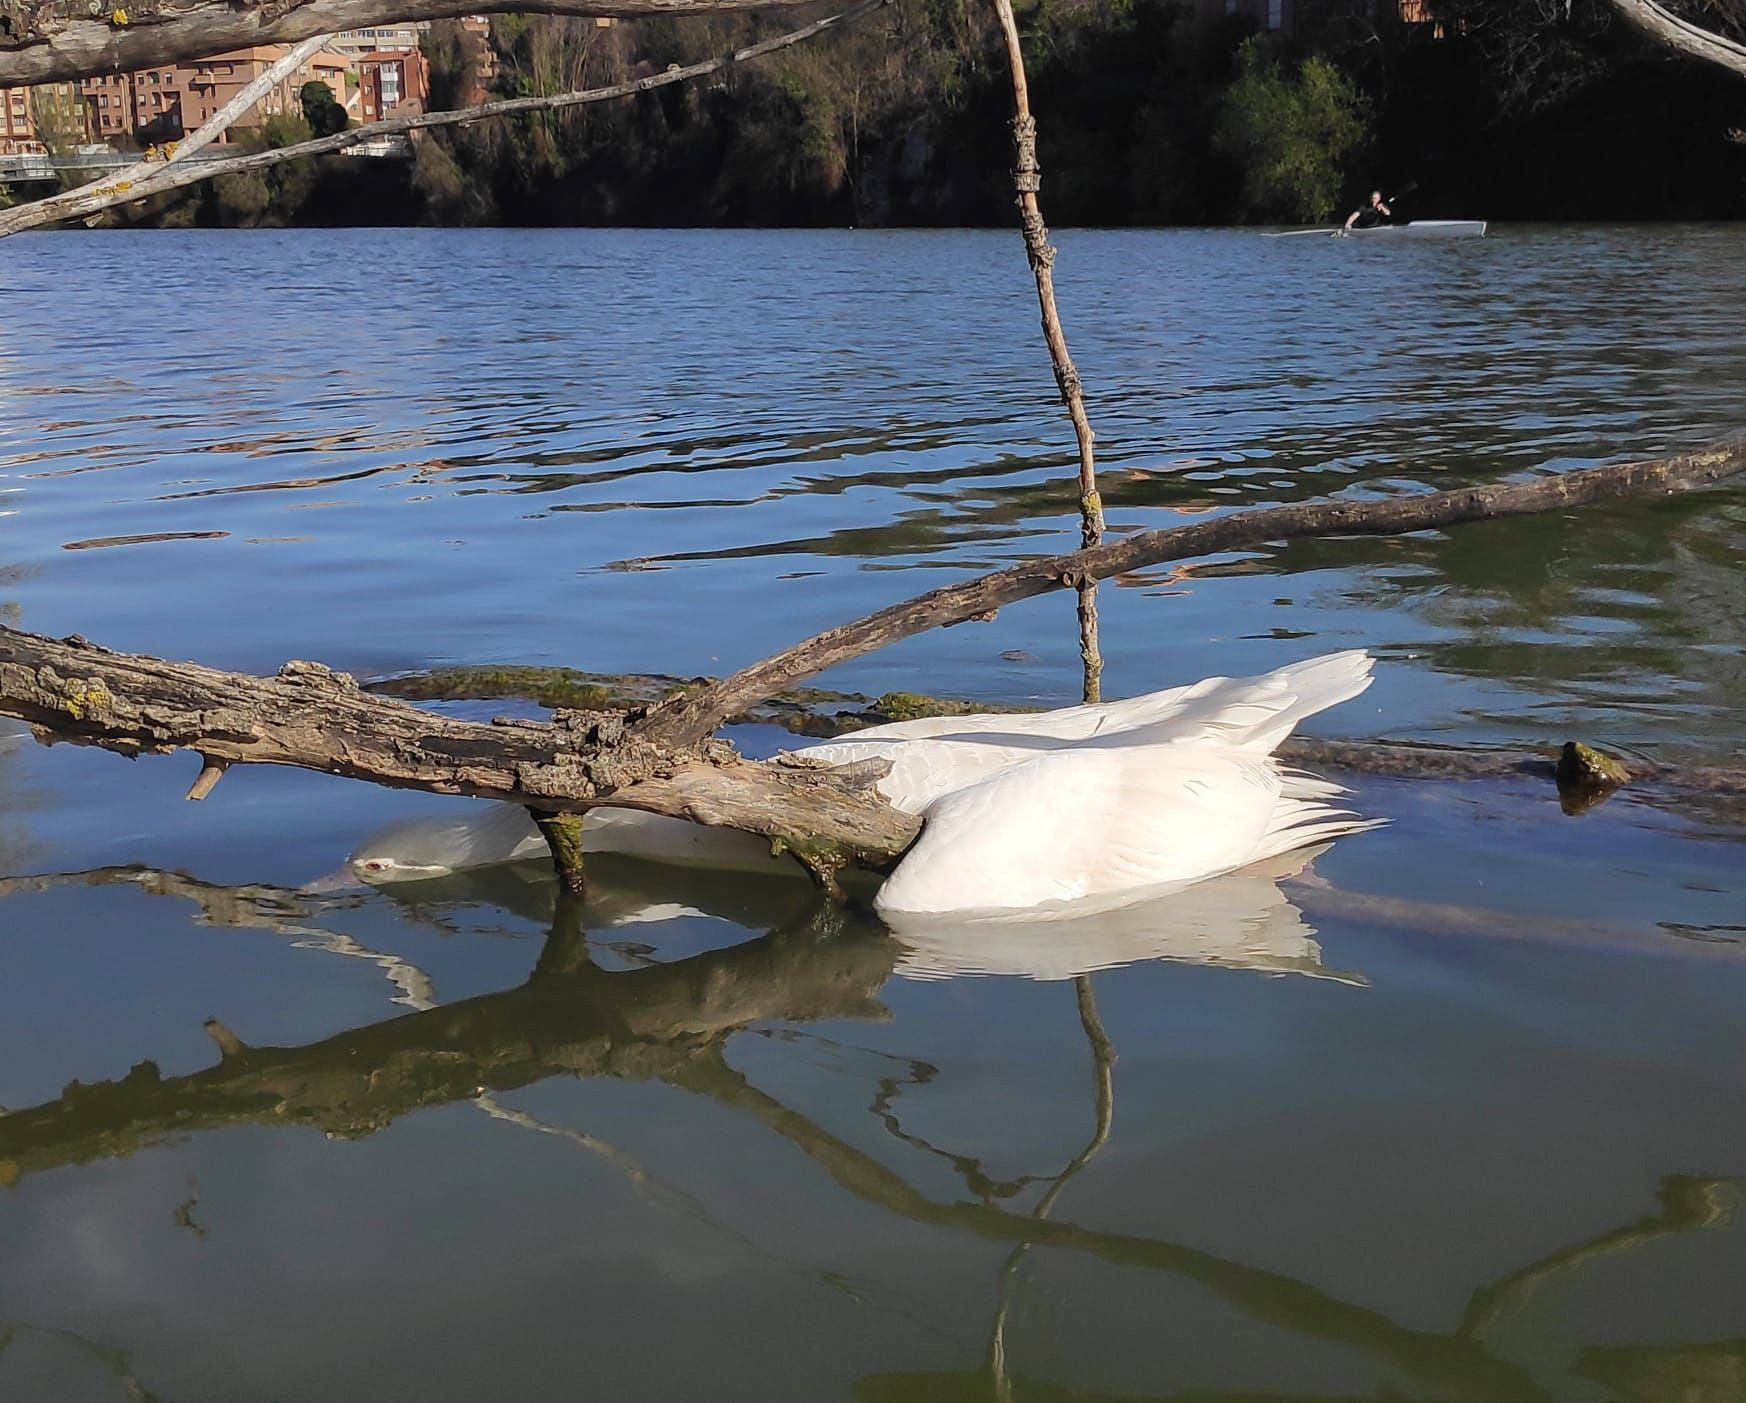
[[248, 907], [668, 1023], [1103, 1060], [1687, 1205], [114, 1360], [671, 1024], [1713, 1372], [968, 1167]]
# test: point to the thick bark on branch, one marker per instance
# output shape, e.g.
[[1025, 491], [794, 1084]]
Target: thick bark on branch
[[51, 41], [688, 718], [310, 717], [1681, 35], [160, 179]]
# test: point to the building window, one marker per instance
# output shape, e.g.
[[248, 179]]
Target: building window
[[1276, 14]]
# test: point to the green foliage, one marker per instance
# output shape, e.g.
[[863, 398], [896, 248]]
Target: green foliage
[[242, 199], [320, 109], [1150, 112], [1292, 134]]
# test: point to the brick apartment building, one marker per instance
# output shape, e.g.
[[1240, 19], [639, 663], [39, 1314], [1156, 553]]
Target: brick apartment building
[[24, 112], [17, 126], [355, 43], [160, 104], [390, 81]]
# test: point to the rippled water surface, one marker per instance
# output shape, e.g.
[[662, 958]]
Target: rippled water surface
[[1450, 1113]]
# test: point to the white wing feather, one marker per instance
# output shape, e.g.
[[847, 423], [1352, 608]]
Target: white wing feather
[[1083, 824]]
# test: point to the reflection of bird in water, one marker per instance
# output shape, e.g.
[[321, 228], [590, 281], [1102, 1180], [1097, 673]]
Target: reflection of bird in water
[[419, 849], [1031, 815], [1240, 920]]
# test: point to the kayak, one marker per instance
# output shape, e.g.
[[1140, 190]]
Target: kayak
[[1417, 229]]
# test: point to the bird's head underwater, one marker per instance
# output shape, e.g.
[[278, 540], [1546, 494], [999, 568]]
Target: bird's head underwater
[[413, 850], [422, 849]]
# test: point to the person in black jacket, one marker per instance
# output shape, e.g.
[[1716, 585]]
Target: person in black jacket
[[1372, 214]]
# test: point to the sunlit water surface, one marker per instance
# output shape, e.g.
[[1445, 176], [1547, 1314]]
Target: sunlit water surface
[[1453, 1114]]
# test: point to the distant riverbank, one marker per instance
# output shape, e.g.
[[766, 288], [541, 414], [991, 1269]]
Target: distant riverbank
[[1149, 116]]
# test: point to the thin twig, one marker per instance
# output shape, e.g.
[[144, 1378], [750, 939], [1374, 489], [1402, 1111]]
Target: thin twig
[[1027, 178]]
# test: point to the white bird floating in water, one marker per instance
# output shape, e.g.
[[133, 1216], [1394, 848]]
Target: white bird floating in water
[[1030, 817]]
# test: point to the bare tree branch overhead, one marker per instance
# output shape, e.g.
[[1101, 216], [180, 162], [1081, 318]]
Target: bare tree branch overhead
[[1682, 35], [146, 177], [59, 40], [149, 180]]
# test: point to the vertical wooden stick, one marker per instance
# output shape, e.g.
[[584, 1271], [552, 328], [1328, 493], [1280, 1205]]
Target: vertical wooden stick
[[1026, 180]]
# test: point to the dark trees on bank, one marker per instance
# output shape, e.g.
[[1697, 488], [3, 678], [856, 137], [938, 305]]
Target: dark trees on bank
[[1497, 109]]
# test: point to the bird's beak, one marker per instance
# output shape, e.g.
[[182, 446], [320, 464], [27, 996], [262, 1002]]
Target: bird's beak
[[343, 880]]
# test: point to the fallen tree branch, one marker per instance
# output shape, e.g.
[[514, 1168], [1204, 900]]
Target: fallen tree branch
[[1715, 792], [1681, 35], [144, 177], [662, 760], [53, 41], [687, 718], [78, 204], [315, 719]]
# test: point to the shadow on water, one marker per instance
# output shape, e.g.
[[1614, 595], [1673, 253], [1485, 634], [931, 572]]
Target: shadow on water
[[670, 1023]]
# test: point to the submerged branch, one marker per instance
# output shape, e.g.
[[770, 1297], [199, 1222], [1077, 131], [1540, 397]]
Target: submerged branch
[[1717, 791]]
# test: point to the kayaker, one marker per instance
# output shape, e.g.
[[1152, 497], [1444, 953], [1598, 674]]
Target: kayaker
[[1375, 213]]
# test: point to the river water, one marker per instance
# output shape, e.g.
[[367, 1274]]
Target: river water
[[1453, 1113]]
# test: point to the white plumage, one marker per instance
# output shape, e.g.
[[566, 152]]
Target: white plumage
[[1101, 806], [1028, 816]]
